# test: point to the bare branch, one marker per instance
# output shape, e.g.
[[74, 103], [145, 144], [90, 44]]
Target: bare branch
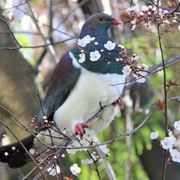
[[29, 154], [152, 70], [46, 40]]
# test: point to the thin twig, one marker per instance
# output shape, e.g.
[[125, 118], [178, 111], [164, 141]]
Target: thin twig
[[46, 40], [46, 25], [165, 95], [120, 136], [95, 165], [50, 15], [152, 70], [176, 99], [107, 165], [32, 133], [37, 46], [29, 154]]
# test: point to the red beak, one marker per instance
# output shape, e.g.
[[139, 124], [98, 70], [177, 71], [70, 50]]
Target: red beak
[[116, 22]]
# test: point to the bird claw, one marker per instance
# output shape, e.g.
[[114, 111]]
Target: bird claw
[[79, 128], [119, 102]]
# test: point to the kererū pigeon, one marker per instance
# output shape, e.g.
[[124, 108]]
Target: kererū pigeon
[[86, 79]]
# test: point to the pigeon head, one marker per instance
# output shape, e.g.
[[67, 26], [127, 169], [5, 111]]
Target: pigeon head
[[96, 51], [98, 23]]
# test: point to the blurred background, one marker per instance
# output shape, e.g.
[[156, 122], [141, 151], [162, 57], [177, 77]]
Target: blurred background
[[34, 34]]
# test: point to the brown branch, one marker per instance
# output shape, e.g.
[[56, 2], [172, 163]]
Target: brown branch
[[50, 48], [152, 70], [29, 154], [165, 93], [19, 46], [95, 164], [32, 133], [37, 46], [46, 25]]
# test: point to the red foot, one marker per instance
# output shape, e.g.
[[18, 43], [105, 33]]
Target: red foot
[[119, 102], [79, 128]]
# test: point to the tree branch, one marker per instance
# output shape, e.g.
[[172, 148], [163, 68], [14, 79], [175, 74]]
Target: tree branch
[[152, 70]]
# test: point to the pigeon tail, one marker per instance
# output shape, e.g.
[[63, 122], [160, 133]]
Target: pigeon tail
[[14, 154]]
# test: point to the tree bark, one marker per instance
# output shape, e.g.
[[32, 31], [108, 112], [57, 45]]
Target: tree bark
[[18, 90]]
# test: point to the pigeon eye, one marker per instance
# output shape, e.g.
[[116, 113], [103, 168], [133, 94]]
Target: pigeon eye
[[101, 19]]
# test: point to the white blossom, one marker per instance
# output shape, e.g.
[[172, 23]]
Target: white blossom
[[141, 80], [142, 73], [167, 142], [175, 155], [90, 135], [5, 140], [84, 142], [166, 21], [82, 42], [32, 151], [126, 70], [154, 9], [121, 46], [53, 171], [95, 55], [13, 148], [82, 58], [154, 135], [135, 58], [6, 153], [110, 45], [94, 156], [177, 125], [133, 27], [75, 144], [165, 11], [171, 135], [150, 7], [104, 149], [75, 169], [86, 161], [89, 38], [161, 12], [145, 8], [174, 20], [85, 40], [133, 23], [141, 13], [144, 68]]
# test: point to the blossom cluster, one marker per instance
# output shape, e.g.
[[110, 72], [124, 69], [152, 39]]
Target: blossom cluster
[[151, 15], [171, 142], [85, 40], [87, 139], [96, 54], [37, 125], [139, 72]]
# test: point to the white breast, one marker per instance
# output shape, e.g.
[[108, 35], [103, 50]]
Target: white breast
[[84, 101]]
